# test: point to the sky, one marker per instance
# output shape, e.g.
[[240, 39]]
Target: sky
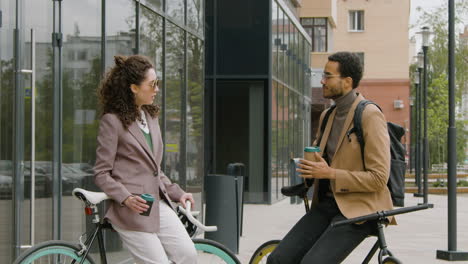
[[427, 5]]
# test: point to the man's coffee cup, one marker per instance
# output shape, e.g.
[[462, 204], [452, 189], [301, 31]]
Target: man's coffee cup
[[149, 201], [309, 153]]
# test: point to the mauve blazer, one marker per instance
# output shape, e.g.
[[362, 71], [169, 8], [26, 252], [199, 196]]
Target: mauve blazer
[[360, 191], [126, 165]]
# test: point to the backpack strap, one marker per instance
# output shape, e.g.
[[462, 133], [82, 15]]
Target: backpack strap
[[357, 125], [324, 122]]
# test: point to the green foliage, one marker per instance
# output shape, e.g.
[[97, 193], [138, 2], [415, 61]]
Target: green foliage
[[437, 108]]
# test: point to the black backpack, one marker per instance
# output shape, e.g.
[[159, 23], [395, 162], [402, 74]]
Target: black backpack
[[396, 181]]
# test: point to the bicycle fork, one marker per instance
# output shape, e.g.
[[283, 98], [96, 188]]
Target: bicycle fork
[[380, 243]]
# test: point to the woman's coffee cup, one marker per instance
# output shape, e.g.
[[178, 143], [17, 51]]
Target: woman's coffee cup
[[149, 201]]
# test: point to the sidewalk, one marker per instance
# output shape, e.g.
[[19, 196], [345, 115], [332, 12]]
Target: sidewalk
[[415, 240]]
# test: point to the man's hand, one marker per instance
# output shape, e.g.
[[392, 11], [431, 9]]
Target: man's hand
[[136, 204], [316, 170], [185, 197]]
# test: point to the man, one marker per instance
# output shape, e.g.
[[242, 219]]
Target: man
[[342, 187]]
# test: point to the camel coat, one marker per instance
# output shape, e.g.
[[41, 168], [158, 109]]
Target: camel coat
[[357, 191]]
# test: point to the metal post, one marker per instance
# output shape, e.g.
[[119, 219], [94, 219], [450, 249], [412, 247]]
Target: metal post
[[425, 142], [412, 137], [452, 253], [418, 135]]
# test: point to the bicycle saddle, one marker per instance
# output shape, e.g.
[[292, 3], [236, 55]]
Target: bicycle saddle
[[92, 197], [295, 190]]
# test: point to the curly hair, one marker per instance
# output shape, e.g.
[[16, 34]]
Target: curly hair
[[115, 94], [349, 66]]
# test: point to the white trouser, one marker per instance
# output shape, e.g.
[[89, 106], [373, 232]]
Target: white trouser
[[171, 242]]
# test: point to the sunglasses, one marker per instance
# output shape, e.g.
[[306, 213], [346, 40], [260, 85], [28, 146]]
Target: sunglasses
[[157, 83]]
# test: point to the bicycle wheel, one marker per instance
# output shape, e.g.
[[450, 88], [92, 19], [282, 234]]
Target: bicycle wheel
[[54, 251], [211, 252], [262, 252], [391, 260]]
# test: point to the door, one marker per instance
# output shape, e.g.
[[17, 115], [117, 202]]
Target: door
[[26, 125]]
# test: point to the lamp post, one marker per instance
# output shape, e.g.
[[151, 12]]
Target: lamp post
[[419, 109], [412, 147], [452, 253], [425, 46]]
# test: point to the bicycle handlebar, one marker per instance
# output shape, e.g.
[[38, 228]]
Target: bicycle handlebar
[[380, 215], [187, 212]]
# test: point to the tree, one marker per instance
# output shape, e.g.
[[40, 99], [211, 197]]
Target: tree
[[438, 83]]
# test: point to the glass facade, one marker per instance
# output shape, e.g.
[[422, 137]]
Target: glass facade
[[290, 100], [257, 93], [69, 67]]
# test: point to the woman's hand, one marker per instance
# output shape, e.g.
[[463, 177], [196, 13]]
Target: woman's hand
[[187, 196], [136, 204], [316, 170]]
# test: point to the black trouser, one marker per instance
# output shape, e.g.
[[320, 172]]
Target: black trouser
[[312, 240]]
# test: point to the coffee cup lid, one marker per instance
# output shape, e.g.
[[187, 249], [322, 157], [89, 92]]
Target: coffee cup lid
[[148, 197], [312, 149]]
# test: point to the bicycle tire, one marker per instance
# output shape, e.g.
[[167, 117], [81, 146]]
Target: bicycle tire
[[211, 252], [391, 260], [49, 249], [262, 252]]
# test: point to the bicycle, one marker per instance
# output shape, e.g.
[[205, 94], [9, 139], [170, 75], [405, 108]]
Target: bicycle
[[58, 251], [300, 190]]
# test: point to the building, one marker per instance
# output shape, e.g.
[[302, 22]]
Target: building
[[257, 98], [71, 55], [377, 31]]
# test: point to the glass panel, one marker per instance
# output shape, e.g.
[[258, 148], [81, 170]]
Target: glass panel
[[282, 47], [195, 154], [120, 29], [274, 142], [176, 9], [307, 21], [288, 52], [359, 20], [320, 21], [38, 15], [276, 41], [175, 72], [6, 128], [286, 142], [81, 76], [320, 39], [281, 142], [151, 40], [351, 20], [195, 15]]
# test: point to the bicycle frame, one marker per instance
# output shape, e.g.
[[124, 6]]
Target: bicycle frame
[[91, 209], [86, 246]]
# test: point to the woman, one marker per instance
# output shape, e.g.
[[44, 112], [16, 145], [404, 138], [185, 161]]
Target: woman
[[128, 159]]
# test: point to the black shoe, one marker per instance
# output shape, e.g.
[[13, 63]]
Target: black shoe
[[295, 190]]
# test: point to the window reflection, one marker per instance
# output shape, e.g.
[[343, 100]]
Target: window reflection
[[120, 29], [195, 123], [151, 42], [176, 9], [175, 72], [195, 15]]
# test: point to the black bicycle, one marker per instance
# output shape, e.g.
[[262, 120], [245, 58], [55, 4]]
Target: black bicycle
[[57, 251], [385, 255]]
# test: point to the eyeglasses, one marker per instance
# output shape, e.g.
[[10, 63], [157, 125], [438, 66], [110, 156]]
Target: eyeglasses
[[157, 83], [329, 76]]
